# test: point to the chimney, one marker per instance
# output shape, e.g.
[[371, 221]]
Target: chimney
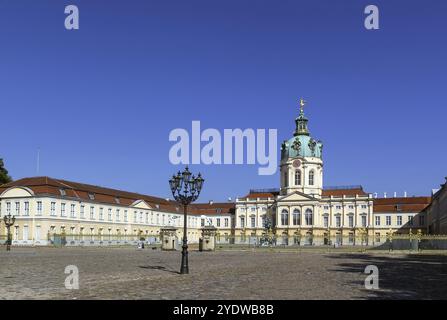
[[405, 194], [375, 195], [395, 194], [384, 194], [211, 202]]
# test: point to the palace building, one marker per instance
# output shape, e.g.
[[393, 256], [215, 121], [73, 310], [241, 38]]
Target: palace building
[[89, 214], [300, 212]]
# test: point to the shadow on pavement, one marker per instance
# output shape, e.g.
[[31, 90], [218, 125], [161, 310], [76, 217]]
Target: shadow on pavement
[[409, 276], [162, 268]]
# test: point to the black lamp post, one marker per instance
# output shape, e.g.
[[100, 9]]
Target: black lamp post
[[185, 189], [9, 221]]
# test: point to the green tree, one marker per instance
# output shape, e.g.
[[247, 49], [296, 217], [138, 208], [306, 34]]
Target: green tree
[[4, 177]]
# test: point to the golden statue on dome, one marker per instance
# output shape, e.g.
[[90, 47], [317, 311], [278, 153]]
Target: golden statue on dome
[[302, 104]]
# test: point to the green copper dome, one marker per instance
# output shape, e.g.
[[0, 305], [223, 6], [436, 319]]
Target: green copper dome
[[302, 144]]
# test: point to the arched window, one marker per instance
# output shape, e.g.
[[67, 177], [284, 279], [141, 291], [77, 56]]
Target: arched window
[[309, 217], [296, 217], [311, 178], [285, 217], [297, 177], [286, 178]]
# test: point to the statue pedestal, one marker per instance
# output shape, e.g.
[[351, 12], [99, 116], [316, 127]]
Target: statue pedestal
[[169, 240], [208, 240]]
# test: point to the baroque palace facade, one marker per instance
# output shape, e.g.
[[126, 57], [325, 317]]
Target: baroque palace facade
[[300, 212]]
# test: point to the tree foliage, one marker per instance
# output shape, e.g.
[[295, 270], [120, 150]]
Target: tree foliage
[[4, 176]]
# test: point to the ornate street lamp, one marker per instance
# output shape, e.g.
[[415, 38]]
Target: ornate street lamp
[[185, 189], [9, 221]]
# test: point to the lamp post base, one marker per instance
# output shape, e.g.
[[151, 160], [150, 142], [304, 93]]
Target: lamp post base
[[184, 269]]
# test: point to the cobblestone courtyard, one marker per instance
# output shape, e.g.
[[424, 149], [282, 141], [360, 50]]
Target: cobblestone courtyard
[[128, 273]]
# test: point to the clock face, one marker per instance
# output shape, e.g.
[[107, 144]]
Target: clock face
[[296, 163]]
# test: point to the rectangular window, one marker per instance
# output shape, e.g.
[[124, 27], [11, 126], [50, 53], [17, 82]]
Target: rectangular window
[[109, 214], [141, 218], [338, 221], [39, 208], [364, 221], [147, 217], [135, 216], [410, 220], [218, 222], [399, 220], [17, 208], [377, 220], [117, 215], [62, 209], [125, 215], [26, 208], [253, 222], [92, 213], [364, 206], [202, 222], [351, 221], [101, 213], [338, 207], [242, 221], [72, 211], [388, 220], [82, 212], [326, 221], [226, 222], [53, 208], [8, 208]]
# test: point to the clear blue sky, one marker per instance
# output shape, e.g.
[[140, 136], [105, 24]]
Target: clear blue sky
[[100, 102]]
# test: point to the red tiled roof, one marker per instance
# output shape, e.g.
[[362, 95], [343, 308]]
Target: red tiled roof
[[81, 191], [261, 195], [409, 204]]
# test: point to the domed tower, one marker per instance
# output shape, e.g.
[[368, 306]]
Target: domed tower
[[301, 160]]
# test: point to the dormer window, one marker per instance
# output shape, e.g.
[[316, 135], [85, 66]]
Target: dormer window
[[398, 207], [117, 200], [63, 192], [91, 196]]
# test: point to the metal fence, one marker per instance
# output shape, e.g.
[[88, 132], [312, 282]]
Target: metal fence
[[394, 242], [100, 240]]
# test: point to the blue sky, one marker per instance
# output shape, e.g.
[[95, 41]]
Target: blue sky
[[100, 101]]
